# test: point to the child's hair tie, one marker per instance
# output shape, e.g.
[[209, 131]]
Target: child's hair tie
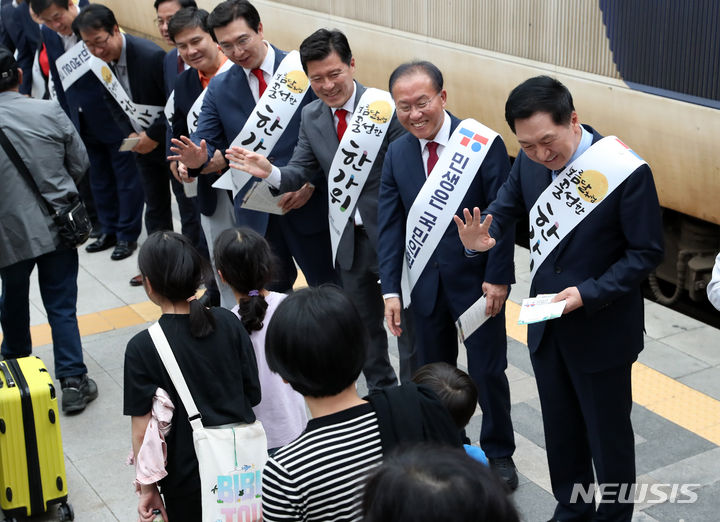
[[253, 293]]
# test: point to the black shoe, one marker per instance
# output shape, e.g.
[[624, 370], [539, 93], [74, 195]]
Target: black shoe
[[504, 467], [96, 231], [104, 242], [77, 391], [136, 280], [123, 249]]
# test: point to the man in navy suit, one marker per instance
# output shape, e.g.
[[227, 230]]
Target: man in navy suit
[[302, 232], [138, 65], [582, 360], [173, 64], [22, 34], [451, 281], [114, 179]]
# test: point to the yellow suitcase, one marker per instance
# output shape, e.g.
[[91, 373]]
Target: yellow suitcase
[[32, 466]]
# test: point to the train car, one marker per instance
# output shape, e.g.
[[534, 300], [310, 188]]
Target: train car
[[647, 71]]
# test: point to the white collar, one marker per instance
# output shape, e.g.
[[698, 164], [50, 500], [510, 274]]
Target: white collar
[[350, 103], [443, 135]]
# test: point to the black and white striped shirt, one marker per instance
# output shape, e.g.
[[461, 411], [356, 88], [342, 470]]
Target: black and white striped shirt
[[321, 475]]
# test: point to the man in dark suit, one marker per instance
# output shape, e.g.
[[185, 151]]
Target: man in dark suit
[[328, 62], [22, 34], [231, 97], [173, 64], [138, 65], [114, 178], [188, 29], [451, 281], [582, 361]]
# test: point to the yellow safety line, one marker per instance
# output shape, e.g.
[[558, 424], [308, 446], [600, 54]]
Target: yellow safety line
[[672, 400]]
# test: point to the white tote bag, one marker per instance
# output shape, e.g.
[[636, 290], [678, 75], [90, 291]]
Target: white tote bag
[[231, 457]]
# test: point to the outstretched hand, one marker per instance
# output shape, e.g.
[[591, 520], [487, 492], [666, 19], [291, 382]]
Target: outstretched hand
[[475, 233], [248, 161], [193, 156]]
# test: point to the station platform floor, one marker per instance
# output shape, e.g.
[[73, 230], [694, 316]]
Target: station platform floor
[[676, 411]]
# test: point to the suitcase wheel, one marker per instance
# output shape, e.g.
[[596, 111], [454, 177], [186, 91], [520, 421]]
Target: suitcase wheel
[[65, 512]]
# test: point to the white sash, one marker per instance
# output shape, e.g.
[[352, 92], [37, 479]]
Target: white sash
[[441, 196], [355, 157], [576, 192], [74, 63], [169, 109], [192, 121], [194, 113], [140, 115], [270, 117]]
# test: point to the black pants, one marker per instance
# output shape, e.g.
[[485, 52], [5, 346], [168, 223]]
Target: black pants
[[586, 417]]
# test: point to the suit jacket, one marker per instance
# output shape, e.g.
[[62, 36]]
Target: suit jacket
[[226, 107], [170, 70], [187, 89], [21, 33], [462, 276], [84, 102], [313, 155], [145, 72], [606, 256]]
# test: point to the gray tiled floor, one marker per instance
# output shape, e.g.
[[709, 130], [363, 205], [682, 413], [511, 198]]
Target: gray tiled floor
[[97, 441]]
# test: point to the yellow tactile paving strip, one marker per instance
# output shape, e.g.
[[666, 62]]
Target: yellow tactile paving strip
[[653, 390], [672, 400]]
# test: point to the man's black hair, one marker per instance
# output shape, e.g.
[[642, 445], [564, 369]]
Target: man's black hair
[[183, 3], [539, 94], [321, 44], [228, 11], [316, 341], [417, 66], [94, 16], [38, 6], [188, 18]]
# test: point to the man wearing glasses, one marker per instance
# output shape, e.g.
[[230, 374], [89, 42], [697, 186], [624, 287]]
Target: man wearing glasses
[[231, 99], [329, 64], [138, 66], [418, 232], [114, 178]]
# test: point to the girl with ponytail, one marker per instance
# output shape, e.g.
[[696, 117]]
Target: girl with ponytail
[[216, 358], [244, 261]]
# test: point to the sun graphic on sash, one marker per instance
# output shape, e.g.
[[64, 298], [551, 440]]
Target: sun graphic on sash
[[593, 186], [296, 81], [106, 74], [380, 111]]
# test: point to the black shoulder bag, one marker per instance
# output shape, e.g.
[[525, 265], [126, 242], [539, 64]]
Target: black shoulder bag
[[72, 221]]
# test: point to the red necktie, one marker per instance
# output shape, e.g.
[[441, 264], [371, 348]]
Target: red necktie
[[342, 122], [432, 157], [180, 65], [261, 81]]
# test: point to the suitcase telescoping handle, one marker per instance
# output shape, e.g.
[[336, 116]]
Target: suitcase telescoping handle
[[8, 376]]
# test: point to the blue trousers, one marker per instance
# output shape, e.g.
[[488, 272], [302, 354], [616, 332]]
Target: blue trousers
[[57, 275], [116, 189]]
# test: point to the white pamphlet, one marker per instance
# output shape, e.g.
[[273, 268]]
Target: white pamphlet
[[259, 198], [540, 308], [472, 319]]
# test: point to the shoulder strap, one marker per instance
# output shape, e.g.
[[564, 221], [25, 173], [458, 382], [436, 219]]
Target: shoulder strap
[[171, 365], [22, 168]]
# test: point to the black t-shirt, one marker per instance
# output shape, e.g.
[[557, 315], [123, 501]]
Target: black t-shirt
[[220, 371]]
